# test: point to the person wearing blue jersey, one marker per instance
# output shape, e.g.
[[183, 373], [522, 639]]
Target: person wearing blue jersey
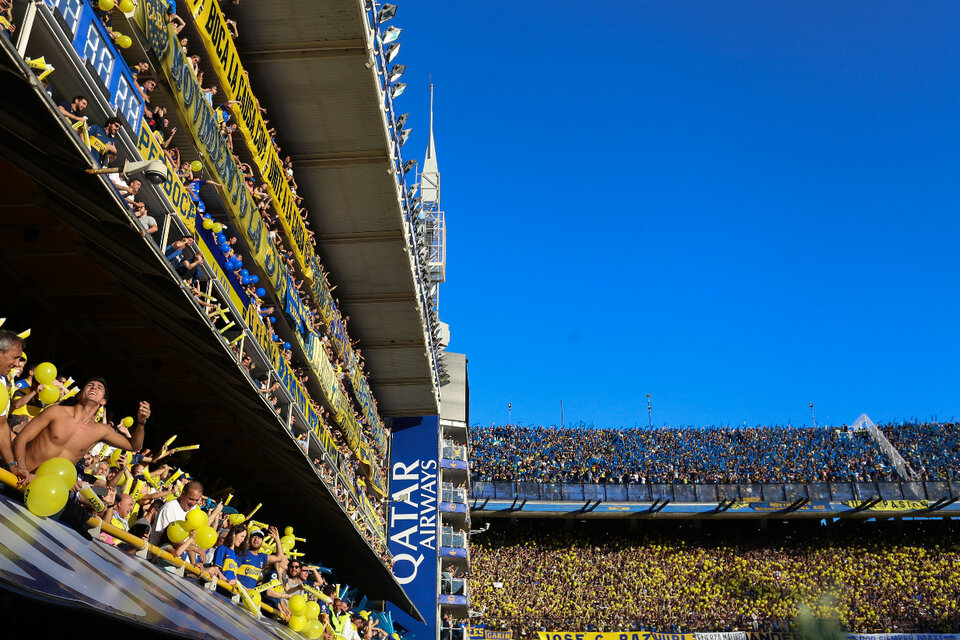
[[103, 140], [251, 560], [225, 555]]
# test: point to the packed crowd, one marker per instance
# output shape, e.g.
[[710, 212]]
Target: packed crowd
[[931, 449], [184, 253], [139, 492], [871, 577], [675, 455]]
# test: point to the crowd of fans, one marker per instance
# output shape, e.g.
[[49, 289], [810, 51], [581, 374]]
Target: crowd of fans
[[141, 492], [183, 252], [931, 449], [675, 455], [871, 577]]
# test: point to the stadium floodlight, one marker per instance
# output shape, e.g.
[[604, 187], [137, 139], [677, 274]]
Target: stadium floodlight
[[404, 136], [397, 89], [392, 52], [396, 71], [401, 120], [409, 164], [155, 171], [390, 35], [387, 12]]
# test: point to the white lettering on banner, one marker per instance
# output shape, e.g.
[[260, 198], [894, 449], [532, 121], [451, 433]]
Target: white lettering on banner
[[416, 502], [406, 557]]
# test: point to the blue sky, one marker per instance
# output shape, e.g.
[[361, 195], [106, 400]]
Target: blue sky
[[737, 207]]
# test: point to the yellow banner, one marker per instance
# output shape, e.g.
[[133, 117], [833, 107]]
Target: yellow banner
[[223, 56], [150, 149], [890, 505]]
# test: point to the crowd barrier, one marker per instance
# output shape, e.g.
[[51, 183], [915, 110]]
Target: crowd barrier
[[712, 493]]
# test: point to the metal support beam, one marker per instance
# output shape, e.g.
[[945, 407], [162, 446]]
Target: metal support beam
[[300, 51]]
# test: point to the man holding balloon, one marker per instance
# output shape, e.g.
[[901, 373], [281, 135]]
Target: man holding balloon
[[69, 432]]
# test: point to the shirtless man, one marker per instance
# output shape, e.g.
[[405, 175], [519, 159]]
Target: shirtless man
[[69, 432]]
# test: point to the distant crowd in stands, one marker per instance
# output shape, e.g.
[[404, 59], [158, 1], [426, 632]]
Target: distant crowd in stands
[[138, 491], [676, 455], [932, 449], [183, 252], [545, 576]]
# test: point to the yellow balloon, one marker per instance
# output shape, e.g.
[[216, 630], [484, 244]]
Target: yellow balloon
[[127, 422], [59, 468], [46, 495], [4, 398], [288, 531], [196, 519], [288, 543], [297, 604], [45, 372], [177, 531], [125, 42], [296, 623], [115, 457], [205, 537], [49, 394], [217, 228], [236, 518], [208, 223], [314, 629], [312, 612], [105, 5], [127, 6], [196, 166]]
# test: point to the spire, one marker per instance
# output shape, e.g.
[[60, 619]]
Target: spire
[[430, 177]]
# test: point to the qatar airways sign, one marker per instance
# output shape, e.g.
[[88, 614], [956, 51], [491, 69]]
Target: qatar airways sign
[[414, 518]]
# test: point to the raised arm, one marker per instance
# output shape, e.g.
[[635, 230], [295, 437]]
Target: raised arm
[[118, 440]]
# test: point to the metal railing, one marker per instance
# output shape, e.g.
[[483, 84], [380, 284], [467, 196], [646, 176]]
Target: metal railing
[[453, 451], [767, 492], [450, 538], [449, 493]]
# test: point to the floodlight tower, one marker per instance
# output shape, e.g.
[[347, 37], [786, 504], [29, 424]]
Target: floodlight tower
[[435, 230]]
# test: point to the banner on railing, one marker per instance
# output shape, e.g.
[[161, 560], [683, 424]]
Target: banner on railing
[[223, 56], [215, 35], [613, 635], [889, 505], [480, 633], [150, 149]]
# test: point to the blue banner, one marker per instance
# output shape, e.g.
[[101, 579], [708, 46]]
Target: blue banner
[[414, 521]]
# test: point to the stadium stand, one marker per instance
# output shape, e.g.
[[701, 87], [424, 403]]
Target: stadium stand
[[675, 455], [874, 577]]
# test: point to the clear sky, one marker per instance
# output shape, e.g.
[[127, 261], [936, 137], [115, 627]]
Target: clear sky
[[737, 207]]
